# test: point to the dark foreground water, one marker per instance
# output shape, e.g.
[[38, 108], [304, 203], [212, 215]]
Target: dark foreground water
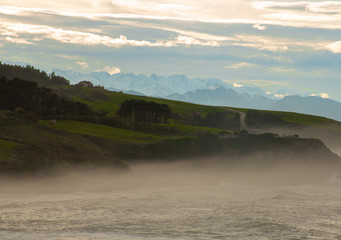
[[193, 211]]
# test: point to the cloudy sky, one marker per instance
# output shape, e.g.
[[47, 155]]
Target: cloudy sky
[[279, 46]]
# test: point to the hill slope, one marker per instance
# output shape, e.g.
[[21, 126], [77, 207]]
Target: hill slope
[[195, 131]]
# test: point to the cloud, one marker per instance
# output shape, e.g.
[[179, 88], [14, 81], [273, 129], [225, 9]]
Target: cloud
[[185, 40], [148, 6], [83, 65], [259, 27], [73, 37], [329, 7], [304, 7], [85, 38], [67, 57], [279, 6], [281, 95], [262, 43], [283, 59], [322, 14], [282, 69], [241, 65], [334, 47], [15, 40], [111, 70], [322, 95], [236, 85], [277, 13], [263, 83]]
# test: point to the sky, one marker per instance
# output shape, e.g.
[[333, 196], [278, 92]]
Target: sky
[[282, 47]]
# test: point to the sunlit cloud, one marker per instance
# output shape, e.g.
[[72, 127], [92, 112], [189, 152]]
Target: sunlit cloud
[[236, 85], [334, 47], [330, 7], [322, 95], [282, 69], [278, 5], [304, 7], [198, 35], [111, 70], [283, 59], [281, 95], [185, 40], [85, 38], [324, 14], [260, 83], [262, 43], [146, 5], [275, 13], [83, 65], [259, 27], [240, 65], [15, 40], [67, 56]]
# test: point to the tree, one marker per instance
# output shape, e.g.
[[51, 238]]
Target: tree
[[38, 100], [144, 112]]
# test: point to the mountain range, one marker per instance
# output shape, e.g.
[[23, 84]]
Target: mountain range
[[221, 96], [154, 85], [206, 91]]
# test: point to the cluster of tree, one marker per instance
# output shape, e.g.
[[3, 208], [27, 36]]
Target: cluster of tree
[[217, 119], [144, 112], [31, 74], [38, 100], [257, 119]]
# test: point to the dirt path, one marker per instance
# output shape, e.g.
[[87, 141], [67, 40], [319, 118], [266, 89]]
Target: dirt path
[[242, 118]]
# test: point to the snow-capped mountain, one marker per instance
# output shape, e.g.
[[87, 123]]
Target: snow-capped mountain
[[153, 85]]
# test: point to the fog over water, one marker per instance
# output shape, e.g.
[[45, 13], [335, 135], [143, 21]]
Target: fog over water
[[183, 200]]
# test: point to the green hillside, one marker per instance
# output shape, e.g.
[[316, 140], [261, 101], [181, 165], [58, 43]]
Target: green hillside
[[87, 129]]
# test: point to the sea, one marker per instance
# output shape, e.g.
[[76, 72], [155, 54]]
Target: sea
[[181, 210]]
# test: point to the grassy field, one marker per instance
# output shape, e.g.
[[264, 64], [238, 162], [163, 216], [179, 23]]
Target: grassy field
[[109, 101], [125, 135], [6, 149], [309, 120], [103, 131], [303, 119], [195, 130]]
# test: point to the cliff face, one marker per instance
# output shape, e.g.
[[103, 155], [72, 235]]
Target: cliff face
[[30, 147], [265, 149]]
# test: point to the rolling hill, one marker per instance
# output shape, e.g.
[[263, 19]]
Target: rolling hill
[[30, 143]]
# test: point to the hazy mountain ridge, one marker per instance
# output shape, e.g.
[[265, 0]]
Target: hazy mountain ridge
[[221, 96], [228, 97], [310, 105]]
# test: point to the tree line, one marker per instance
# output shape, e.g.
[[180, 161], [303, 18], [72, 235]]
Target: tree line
[[31, 74], [144, 112], [216, 119], [39, 100]]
